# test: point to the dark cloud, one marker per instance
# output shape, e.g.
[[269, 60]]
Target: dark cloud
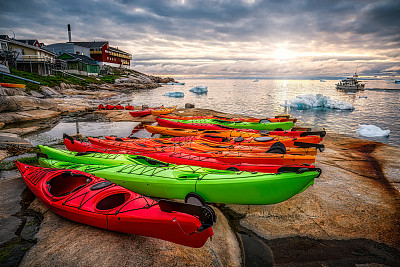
[[246, 33]]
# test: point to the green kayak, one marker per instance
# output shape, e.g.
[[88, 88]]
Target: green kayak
[[218, 187], [241, 124], [95, 158]]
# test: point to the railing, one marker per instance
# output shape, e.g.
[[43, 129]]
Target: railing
[[35, 58]]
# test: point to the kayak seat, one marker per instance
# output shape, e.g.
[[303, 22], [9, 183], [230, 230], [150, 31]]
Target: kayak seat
[[112, 201], [263, 139], [101, 185], [67, 183], [239, 139]]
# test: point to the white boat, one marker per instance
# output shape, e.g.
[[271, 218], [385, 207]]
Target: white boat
[[322, 81], [350, 84]]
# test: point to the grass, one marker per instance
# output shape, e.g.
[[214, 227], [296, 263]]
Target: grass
[[52, 81]]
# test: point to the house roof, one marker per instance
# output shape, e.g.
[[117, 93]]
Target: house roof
[[18, 42], [30, 42], [91, 44], [84, 59]]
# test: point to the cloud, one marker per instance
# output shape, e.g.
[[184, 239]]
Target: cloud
[[223, 37]]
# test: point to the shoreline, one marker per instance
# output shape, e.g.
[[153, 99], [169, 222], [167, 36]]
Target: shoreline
[[353, 207]]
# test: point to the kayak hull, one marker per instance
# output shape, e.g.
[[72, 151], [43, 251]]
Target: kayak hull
[[110, 207]]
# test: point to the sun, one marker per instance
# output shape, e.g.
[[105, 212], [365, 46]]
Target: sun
[[283, 54]]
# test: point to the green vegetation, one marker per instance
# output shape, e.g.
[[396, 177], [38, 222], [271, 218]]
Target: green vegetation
[[52, 81], [9, 165]]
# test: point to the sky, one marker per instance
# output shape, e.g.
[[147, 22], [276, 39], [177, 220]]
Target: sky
[[224, 38]]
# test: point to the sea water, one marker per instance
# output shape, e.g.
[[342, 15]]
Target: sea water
[[378, 105]]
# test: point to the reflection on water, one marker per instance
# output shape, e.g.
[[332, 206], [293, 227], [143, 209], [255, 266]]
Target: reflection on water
[[95, 129], [266, 97]]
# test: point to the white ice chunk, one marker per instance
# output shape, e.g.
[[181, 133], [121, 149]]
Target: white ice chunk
[[372, 131], [317, 101], [201, 89]]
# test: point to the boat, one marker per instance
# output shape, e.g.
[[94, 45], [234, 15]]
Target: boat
[[350, 84], [100, 107], [94, 201], [264, 120], [397, 81], [226, 187], [185, 159], [322, 81], [110, 107], [119, 107], [163, 111], [228, 133], [143, 112], [13, 85], [240, 124]]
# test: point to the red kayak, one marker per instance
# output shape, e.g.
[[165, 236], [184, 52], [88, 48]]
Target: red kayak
[[101, 107], [91, 200], [110, 107], [183, 158], [129, 107], [144, 112], [119, 107]]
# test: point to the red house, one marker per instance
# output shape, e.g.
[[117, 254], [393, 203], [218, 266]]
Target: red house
[[107, 55]]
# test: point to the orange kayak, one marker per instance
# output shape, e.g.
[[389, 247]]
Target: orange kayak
[[229, 133], [13, 85], [163, 111]]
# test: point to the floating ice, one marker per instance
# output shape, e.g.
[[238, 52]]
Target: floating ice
[[176, 83], [174, 94], [317, 101], [201, 89], [372, 131]]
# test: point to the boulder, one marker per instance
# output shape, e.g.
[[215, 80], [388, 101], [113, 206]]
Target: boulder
[[49, 92], [64, 242], [36, 94], [4, 91], [189, 105], [20, 102], [25, 116], [7, 139]]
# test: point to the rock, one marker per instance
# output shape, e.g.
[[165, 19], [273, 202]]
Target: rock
[[19, 102], [2, 124], [3, 154], [7, 139], [25, 116], [84, 245], [36, 94], [49, 92], [10, 196], [11, 91], [188, 105]]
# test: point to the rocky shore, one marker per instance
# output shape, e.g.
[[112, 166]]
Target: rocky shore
[[351, 216]]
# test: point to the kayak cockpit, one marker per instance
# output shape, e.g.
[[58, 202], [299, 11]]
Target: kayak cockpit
[[67, 183], [112, 201]]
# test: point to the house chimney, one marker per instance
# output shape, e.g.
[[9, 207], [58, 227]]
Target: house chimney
[[69, 33]]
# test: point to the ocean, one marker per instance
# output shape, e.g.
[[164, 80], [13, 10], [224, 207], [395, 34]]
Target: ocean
[[378, 105]]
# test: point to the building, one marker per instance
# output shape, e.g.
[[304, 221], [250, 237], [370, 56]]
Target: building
[[80, 64], [71, 48], [104, 54], [32, 42], [30, 58]]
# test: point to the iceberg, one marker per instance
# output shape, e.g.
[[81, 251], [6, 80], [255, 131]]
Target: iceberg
[[317, 101], [372, 131], [174, 94], [201, 89]]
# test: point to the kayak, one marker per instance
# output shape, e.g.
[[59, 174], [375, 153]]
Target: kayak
[[91, 200], [13, 85], [227, 119], [226, 187], [101, 107], [144, 112], [119, 107], [270, 126], [227, 133], [264, 141], [202, 126], [185, 158], [129, 107], [110, 107], [163, 111], [206, 146], [231, 157]]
